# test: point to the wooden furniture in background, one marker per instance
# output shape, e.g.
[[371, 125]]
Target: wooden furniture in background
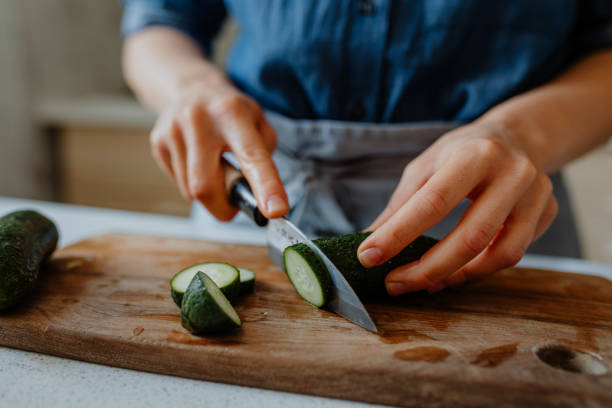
[[115, 169], [522, 337], [102, 155], [590, 186]]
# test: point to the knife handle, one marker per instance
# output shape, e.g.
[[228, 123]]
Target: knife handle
[[240, 194]]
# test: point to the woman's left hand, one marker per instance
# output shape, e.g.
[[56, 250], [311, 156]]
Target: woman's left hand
[[512, 205]]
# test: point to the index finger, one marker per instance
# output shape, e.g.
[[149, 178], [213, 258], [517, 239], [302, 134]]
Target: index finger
[[429, 205], [257, 166]]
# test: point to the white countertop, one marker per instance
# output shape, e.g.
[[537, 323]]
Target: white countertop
[[36, 380]]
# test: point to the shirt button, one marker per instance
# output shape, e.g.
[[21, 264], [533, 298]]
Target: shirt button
[[366, 7], [357, 111]]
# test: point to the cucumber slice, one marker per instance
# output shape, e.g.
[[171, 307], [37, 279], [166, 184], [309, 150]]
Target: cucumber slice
[[223, 274], [305, 268], [247, 280], [308, 274], [205, 309]]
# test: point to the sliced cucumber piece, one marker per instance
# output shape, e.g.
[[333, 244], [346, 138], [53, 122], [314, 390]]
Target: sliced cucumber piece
[[307, 274], [247, 280], [205, 309], [223, 274], [305, 268]]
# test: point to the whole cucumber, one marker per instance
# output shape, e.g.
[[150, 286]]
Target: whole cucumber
[[27, 239]]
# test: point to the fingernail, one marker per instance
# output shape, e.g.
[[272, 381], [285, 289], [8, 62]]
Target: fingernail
[[275, 204], [436, 288], [370, 257], [396, 288]]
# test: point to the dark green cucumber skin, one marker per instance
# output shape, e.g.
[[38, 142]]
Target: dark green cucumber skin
[[176, 296], [27, 239], [231, 292], [200, 313], [317, 266], [247, 287], [366, 282]]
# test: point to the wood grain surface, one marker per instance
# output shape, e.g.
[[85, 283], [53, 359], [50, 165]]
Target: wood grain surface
[[106, 300]]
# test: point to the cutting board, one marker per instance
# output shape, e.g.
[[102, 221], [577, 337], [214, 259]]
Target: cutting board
[[519, 338]]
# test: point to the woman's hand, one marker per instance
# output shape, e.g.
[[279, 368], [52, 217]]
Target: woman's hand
[[512, 205], [191, 134]]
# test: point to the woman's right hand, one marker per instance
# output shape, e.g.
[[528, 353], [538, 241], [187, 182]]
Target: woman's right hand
[[190, 136]]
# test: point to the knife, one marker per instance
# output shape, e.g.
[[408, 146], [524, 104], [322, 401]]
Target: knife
[[281, 233]]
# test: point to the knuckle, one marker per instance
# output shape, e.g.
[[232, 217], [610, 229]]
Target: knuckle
[[156, 141], [253, 154], [269, 137], [399, 236], [488, 149], [433, 204], [511, 255], [184, 115], [201, 189], [477, 238], [546, 183], [550, 212], [554, 208], [191, 112], [173, 134], [459, 277], [229, 106], [525, 169], [430, 279], [391, 208]]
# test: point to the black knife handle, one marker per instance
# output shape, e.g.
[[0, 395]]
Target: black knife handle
[[240, 194]]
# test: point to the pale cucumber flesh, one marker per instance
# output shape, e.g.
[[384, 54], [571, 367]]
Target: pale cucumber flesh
[[221, 273], [222, 301], [303, 278], [246, 275]]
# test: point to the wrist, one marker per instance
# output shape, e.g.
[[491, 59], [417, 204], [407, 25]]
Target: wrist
[[520, 132], [203, 81]]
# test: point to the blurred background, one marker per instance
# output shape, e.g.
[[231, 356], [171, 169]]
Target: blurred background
[[72, 132]]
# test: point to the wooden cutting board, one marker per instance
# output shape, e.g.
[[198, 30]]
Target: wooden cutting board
[[106, 300]]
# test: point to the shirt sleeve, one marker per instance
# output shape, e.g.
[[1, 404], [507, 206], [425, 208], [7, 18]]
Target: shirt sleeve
[[593, 30], [200, 19]]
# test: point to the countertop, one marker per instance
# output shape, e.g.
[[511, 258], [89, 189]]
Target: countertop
[[36, 380]]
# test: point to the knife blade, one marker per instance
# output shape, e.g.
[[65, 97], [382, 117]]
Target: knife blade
[[281, 233]]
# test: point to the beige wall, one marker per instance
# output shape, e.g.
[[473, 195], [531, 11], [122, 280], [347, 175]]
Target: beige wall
[[51, 48], [17, 153], [54, 49]]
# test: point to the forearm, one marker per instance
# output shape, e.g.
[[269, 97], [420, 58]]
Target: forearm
[[565, 118], [161, 63]]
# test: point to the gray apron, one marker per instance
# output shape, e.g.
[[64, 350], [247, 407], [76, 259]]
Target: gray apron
[[340, 175]]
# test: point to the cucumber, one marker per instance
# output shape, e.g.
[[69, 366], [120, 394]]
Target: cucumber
[[247, 280], [27, 239], [205, 309], [312, 280], [223, 274], [307, 274]]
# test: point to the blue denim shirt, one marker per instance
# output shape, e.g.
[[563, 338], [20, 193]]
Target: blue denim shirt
[[388, 61]]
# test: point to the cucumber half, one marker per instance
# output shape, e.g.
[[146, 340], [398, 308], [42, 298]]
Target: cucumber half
[[247, 280], [311, 279], [225, 276], [307, 274], [205, 309]]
